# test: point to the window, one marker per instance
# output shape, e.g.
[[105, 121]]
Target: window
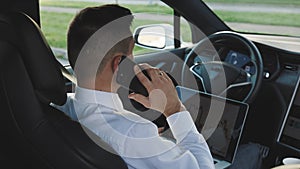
[[57, 14], [276, 17]]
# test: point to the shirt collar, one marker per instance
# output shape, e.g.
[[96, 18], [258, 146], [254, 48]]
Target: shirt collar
[[107, 99]]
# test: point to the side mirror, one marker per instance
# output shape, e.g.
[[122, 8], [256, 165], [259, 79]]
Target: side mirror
[[158, 36]]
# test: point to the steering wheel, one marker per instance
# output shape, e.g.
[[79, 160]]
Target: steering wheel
[[225, 78]]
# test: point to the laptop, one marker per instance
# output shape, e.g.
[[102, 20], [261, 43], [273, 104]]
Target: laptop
[[219, 120]]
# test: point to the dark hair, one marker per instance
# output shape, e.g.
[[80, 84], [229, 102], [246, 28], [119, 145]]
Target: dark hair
[[91, 19]]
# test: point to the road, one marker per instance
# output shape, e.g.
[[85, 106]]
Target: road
[[281, 30], [284, 30], [142, 16], [218, 6]]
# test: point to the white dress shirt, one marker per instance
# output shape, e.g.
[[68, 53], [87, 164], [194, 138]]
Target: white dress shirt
[[136, 139]]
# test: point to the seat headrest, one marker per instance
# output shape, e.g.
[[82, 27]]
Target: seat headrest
[[37, 56]]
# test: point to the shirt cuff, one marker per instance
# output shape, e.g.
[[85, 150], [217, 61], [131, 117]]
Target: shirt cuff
[[181, 124]]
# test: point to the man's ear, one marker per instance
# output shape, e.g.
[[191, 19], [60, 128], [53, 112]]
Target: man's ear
[[115, 63]]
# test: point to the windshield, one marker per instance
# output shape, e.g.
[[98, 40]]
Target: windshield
[[276, 17]]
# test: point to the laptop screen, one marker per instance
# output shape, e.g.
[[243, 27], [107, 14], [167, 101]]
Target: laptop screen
[[219, 120]]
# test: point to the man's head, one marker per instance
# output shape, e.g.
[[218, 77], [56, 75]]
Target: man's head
[[97, 38]]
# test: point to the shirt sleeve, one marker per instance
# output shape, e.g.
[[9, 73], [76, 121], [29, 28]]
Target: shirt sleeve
[[181, 125], [188, 138], [146, 149]]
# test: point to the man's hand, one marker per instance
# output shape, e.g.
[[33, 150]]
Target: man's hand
[[162, 93]]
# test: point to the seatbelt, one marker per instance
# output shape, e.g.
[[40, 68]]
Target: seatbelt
[[67, 74]]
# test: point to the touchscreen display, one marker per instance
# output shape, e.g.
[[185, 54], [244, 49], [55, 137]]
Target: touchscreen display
[[290, 132]]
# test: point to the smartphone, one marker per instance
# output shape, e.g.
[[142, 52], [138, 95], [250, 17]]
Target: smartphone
[[126, 77]]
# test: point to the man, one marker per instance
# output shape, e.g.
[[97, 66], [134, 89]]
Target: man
[[97, 39]]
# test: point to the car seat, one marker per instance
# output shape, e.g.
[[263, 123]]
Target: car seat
[[34, 134]]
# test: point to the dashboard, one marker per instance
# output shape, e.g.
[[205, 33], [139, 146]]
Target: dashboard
[[267, 113]]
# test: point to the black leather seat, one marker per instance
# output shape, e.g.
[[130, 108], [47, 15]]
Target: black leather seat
[[34, 134]]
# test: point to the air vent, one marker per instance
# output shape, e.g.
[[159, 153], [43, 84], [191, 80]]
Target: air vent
[[291, 67]]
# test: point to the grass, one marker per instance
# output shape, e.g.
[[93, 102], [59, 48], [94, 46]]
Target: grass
[[68, 4], [79, 4], [272, 2], [243, 17], [55, 26], [154, 8], [280, 19]]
